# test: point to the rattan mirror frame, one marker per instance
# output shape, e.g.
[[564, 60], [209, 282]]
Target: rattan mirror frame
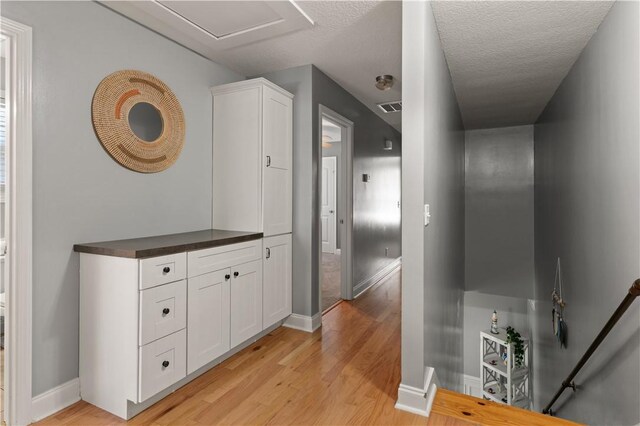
[[113, 99]]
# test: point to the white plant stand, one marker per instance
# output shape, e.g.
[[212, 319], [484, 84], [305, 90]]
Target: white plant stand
[[503, 381]]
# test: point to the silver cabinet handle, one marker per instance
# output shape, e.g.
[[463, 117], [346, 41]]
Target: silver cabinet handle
[[268, 160], [268, 252]]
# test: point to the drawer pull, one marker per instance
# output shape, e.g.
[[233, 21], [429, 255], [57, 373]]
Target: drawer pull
[[268, 252], [227, 277], [165, 311], [165, 364], [166, 270], [235, 274]]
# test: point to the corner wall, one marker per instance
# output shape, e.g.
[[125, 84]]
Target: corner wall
[[432, 173], [587, 210], [80, 193]]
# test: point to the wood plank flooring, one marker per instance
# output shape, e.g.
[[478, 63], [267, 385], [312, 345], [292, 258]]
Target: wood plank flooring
[[345, 373], [454, 409]]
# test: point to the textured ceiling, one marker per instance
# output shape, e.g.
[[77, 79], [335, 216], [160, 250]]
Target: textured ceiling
[[507, 58], [352, 42]]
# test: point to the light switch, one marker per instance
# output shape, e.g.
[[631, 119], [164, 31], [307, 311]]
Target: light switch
[[427, 215]]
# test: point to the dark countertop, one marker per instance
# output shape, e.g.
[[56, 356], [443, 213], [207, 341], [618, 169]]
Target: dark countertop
[[137, 248]]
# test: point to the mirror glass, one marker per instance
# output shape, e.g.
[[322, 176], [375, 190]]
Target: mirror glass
[[145, 121]]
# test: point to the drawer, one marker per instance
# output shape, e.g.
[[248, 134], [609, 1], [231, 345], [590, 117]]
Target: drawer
[[163, 269], [163, 310], [162, 363], [216, 258]]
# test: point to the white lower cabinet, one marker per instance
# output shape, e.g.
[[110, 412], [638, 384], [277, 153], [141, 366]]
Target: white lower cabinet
[[246, 301], [208, 307], [146, 324], [276, 291]]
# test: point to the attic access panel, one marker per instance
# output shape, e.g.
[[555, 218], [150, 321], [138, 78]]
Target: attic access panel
[[225, 18], [208, 27]]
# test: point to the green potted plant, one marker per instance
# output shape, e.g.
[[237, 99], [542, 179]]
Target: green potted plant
[[518, 346]]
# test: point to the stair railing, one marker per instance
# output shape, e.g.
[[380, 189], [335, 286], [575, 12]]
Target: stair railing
[[634, 292]]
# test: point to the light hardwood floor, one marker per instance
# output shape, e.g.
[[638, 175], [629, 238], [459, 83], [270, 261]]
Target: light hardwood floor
[[454, 409], [346, 372]]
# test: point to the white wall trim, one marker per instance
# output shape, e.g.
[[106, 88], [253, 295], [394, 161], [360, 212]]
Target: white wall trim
[[56, 399], [419, 400], [303, 322], [364, 285], [18, 274], [472, 385]]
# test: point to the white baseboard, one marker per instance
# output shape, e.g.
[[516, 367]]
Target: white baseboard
[[364, 285], [54, 400], [303, 322], [419, 400], [472, 386]]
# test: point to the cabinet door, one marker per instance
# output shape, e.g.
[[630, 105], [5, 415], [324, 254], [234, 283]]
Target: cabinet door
[[246, 301], [276, 293], [208, 318], [237, 160], [277, 125]]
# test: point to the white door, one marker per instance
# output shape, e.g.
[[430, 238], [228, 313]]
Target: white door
[[277, 130], [208, 318], [328, 204], [246, 301], [276, 294]]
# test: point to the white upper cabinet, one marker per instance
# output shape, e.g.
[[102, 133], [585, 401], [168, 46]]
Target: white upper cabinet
[[252, 157]]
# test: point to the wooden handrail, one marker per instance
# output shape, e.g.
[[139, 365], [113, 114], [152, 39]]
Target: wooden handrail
[[634, 292]]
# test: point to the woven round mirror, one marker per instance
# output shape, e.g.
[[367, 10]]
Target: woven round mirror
[[138, 120]]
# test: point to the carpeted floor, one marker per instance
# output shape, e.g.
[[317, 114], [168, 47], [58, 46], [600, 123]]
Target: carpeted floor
[[330, 279]]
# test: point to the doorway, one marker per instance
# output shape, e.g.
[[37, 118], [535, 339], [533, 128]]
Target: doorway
[[16, 218], [335, 206]]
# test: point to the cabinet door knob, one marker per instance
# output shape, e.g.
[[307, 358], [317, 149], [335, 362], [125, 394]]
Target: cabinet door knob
[[165, 364], [235, 274], [166, 270], [227, 277], [166, 311]]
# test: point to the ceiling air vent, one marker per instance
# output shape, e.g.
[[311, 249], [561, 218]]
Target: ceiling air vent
[[389, 107]]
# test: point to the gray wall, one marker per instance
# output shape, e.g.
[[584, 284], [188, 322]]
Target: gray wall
[[433, 173], [376, 215], [80, 193], [335, 150], [499, 211], [305, 253], [587, 206], [311, 87]]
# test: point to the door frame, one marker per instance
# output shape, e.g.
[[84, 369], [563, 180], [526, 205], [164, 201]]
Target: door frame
[[346, 169], [335, 203], [19, 236]]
